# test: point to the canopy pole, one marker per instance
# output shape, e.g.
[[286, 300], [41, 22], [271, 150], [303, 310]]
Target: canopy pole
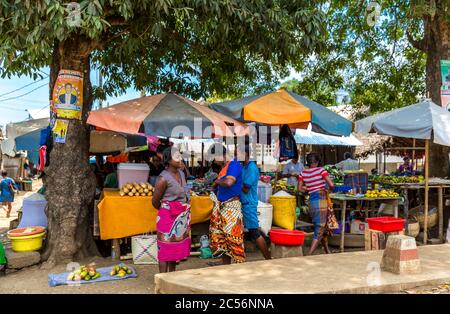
[[413, 153], [262, 157], [427, 164], [203, 159]]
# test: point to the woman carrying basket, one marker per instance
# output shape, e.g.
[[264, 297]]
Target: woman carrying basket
[[316, 181]]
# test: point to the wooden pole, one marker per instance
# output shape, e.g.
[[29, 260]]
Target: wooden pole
[[203, 159], [427, 164], [413, 153], [262, 158]]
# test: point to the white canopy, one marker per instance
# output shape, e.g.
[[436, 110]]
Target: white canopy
[[424, 120]]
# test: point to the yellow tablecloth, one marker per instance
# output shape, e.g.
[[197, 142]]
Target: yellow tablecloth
[[123, 216]]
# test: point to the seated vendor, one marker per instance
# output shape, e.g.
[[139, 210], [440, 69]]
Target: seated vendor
[[405, 167], [111, 176]]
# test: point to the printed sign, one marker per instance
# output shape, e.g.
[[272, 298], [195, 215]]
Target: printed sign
[[60, 130], [445, 73], [68, 94]]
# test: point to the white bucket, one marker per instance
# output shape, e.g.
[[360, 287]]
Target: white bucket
[[265, 213]]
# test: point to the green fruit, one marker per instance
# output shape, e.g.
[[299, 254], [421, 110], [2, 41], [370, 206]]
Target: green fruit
[[97, 275], [84, 274], [129, 271], [117, 268], [87, 277], [92, 273], [125, 267]]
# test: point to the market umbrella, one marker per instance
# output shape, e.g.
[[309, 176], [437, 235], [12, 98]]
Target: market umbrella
[[167, 115], [285, 107], [424, 120]]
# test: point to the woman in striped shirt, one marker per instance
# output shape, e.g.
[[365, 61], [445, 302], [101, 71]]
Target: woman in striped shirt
[[316, 182]]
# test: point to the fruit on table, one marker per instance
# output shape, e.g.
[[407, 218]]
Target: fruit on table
[[136, 189], [381, 194], [84, 273]]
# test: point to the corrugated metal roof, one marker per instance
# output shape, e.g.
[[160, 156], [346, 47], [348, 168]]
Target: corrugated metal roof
[[312, 138]]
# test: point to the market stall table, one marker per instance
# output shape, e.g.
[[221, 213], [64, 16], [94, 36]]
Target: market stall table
[[343, 199], [124, 216], [440, 185]]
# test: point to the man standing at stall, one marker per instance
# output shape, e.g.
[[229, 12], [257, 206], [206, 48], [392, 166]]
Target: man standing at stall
[[226, 227], [249, 200], [348, 164], [292, 170]]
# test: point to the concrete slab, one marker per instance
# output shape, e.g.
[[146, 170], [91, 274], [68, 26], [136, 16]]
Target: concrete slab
[[353, 272], [18, 260]]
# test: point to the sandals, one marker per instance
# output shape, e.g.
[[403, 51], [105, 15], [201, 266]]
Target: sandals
[[216, 263]]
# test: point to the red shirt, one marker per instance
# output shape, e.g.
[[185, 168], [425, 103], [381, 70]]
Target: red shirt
[[313, 178]]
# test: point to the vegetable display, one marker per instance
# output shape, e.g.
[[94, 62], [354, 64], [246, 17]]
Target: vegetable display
[[136, 189], [120, 270], [84, 273], [385, 179], [381, 194]]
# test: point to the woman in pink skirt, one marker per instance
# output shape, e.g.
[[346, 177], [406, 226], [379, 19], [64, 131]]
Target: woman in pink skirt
[[174, 214]]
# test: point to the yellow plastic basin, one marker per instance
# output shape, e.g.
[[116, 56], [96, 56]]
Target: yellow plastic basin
[[27, 243]]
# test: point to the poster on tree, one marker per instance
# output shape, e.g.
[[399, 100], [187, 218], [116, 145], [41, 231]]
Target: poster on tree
[[68, 94], [60, 130], [445, 73]]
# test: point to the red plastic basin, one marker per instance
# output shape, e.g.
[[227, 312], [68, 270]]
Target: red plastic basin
[[386, 224], [287, 237]]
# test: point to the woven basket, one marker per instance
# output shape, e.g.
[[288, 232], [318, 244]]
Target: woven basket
[[432, 220], [413, 229], [418, 213]]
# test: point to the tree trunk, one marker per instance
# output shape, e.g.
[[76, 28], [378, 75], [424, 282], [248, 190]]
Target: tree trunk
[[437, 33], [70, 183]]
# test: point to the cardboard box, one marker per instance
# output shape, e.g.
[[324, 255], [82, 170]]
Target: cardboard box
[[358, 227], [376, 240]]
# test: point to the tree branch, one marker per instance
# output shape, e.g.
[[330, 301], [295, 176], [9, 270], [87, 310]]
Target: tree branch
[[420, 44]]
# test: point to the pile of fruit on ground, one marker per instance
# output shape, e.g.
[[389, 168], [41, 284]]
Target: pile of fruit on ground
[[120, 270], [84, 273], [381, 194], [136, 189]]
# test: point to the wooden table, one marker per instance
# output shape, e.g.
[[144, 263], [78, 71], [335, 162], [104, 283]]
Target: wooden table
[[343, 199], [125, 216], [440, 186]]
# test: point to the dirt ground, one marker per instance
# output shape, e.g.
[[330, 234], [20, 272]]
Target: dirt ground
[[35, 280]]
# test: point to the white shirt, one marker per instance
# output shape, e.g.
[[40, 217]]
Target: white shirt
[[292, 168], [348, 164]]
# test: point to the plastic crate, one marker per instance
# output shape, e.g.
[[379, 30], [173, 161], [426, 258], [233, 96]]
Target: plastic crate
[[386, 224], [341, 188]]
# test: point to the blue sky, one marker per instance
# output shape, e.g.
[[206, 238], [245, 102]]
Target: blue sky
[[14, 110], [14, 106]]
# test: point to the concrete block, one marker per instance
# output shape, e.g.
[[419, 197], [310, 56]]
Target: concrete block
[[401, 256], [17, 260], [281, 251]]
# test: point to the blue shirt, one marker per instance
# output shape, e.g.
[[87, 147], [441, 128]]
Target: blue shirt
[[234, 170], [5, 192], [250, 178]]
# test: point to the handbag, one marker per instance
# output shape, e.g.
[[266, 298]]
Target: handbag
[[144, 249], [332, 223]]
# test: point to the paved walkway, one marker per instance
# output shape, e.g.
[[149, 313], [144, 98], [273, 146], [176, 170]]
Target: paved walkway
[[354, 272]]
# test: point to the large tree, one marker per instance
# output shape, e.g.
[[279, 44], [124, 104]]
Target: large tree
[[385, 53], [193, 47]]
